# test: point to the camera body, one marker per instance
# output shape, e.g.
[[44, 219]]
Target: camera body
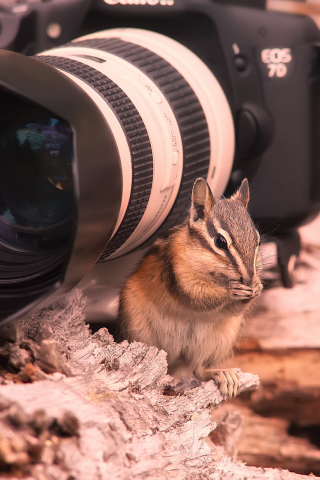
[[268, 65], [32, 26]]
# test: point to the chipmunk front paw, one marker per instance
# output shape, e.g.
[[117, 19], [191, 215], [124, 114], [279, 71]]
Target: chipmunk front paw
[[257, 289], [240, 291], [226, 379], [243, 292]]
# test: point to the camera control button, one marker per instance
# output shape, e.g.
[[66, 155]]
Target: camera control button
[[174, 158], [247, 131], [240, 63], [156, 97]]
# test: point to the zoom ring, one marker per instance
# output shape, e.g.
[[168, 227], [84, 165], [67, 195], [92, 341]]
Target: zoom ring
[[185, 105], [137, 137]]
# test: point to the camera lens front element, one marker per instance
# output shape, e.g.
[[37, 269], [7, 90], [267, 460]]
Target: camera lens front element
[[36, 181]]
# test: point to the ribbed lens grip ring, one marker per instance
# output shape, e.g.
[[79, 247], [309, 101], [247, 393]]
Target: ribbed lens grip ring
[[137, 137], [185, 105]]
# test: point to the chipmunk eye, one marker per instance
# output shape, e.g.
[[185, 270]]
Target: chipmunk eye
[[221, 242]]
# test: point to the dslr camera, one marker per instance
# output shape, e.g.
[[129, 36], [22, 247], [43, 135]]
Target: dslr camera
[[101, 139]]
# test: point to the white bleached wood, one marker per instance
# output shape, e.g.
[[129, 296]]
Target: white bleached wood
[[128, 428]]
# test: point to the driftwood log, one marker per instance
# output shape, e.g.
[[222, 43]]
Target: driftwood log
[[80, 406]]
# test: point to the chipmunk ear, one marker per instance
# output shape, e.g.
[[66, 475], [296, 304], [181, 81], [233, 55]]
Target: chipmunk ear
[[202, 201], [243, 194]]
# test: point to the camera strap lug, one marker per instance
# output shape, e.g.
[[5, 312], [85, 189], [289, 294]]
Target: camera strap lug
[[288, 249]]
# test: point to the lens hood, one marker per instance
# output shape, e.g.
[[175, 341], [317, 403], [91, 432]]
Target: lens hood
[[97, 183]]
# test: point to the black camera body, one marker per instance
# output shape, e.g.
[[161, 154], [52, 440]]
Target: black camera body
[[268, 65], [32, 26]]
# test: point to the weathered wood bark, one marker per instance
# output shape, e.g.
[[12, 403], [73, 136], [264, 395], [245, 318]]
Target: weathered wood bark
[[106, 410]]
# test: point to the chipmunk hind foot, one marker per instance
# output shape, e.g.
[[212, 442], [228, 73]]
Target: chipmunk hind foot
[[226, 379]]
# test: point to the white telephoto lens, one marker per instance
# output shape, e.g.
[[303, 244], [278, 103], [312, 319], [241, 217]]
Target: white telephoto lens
[[170, 119]]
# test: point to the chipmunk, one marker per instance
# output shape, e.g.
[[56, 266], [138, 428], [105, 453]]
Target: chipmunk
[[189, 294]]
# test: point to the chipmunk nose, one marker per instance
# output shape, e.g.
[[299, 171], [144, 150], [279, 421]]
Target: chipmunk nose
[[246, 281]]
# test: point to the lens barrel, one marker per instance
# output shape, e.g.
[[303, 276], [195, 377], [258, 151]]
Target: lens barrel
[[100, 141]]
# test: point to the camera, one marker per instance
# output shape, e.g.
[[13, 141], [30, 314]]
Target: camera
[[101, 139]]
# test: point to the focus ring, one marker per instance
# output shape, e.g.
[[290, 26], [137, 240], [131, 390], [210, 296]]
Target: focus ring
[[137, 137], [185, 105]]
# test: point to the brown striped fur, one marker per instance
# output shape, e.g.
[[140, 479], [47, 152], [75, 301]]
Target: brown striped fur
[[188, 296]]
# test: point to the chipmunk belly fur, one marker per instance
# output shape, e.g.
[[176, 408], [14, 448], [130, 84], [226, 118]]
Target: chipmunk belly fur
[[190, 292], [193, 333]]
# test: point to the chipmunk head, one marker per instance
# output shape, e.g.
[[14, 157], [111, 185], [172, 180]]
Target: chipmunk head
[[224, 229]]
